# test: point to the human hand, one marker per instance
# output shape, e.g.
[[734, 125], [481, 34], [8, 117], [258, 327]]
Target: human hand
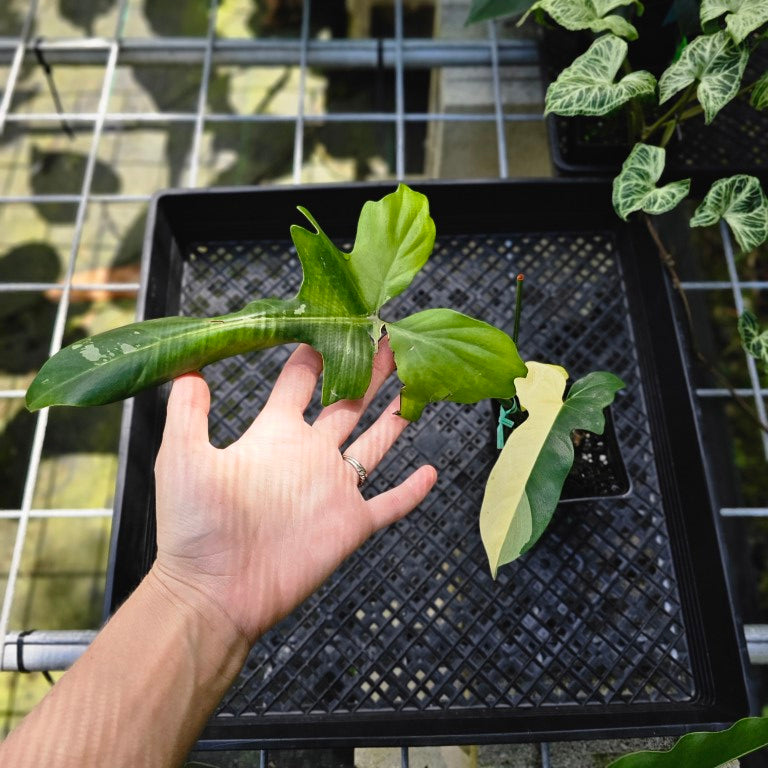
[[253, 529]]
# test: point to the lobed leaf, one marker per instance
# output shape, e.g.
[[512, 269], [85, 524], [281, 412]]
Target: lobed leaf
[[444, 355], [441, 354], [743, 16], [587, 86], [525, 483], [483, 10], [335, 311], [589, 14], [716, 62], [759, 97], [704, 750], [739, 200], [634, 189], [754, 341]]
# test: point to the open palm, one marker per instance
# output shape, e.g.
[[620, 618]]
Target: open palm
[[256, 527]]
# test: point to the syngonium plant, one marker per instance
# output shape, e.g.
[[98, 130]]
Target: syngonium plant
[[440, 354], [705, 73]]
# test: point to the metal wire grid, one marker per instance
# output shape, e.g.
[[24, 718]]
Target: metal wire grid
[[397, 54]]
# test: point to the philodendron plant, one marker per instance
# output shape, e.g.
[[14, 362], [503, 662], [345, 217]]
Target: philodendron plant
[[440, 354], [705, 73]]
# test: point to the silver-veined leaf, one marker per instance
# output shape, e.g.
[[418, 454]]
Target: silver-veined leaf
[[335, 310], [702, 749], [589, 14], [716, 62], [754, 341], [744, 16], [587, 86], [759, 97], [739, 200], [444, 355], [526, 481], [634, 189]]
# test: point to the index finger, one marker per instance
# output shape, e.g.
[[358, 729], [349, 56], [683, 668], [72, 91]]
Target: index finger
[[297, 381]]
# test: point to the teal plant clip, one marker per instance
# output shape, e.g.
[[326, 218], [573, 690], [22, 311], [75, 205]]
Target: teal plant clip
[[506, 409]]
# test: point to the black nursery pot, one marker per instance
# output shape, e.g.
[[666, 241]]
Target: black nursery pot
[[618, 623], [598, 469], [735, 142]]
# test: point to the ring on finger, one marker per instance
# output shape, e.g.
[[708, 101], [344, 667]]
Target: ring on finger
[[362, 474]]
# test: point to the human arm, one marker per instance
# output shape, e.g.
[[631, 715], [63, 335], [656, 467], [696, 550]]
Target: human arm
[[244, 535]]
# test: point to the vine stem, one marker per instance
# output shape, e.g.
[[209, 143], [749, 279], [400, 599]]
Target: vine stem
[[676, 107], [669, 263]]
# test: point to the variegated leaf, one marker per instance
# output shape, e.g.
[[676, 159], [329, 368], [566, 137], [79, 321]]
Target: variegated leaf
[[754, 341], [759, 98], [739, 200], [716, 62], [587, 86], [634, 189], [744, 16], [525, 483], [588, 14]]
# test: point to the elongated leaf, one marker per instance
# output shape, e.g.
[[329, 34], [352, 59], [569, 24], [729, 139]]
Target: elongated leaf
[[754, 341], [589, 14], [759, 97], [444, 355], [525, 483], [335, 311], [716, 62], [744, 16], [634, 189], [483, 10], [704, 750], [739, 200], [587, 86]]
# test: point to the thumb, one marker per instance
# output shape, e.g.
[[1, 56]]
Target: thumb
[[186, 421]]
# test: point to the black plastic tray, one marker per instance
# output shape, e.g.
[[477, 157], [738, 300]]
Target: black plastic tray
[[619, 622]]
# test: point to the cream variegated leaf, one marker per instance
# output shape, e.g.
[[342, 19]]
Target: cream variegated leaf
[[587, 86], [716, 63], [739, 200], [759, 98], [743, 16], [588, 14], [524, 485], [634, 189]]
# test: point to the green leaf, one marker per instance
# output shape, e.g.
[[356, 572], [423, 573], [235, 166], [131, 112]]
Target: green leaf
[[759, 98], [335, 310], [589, 14], [525, 483], [739, 200], [634, 189], [716, 63], [704, 750], [744, 16], [587, 86], [483, 10], [444, 355], [754, 341]]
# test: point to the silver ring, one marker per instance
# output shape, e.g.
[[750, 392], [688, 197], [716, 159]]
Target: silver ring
[[362, 475]]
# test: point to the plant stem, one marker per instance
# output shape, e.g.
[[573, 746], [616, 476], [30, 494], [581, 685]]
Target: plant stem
[[518, 306], [678, 105], [669, 263]]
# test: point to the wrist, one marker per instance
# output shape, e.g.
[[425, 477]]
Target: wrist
[[201, 617]]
